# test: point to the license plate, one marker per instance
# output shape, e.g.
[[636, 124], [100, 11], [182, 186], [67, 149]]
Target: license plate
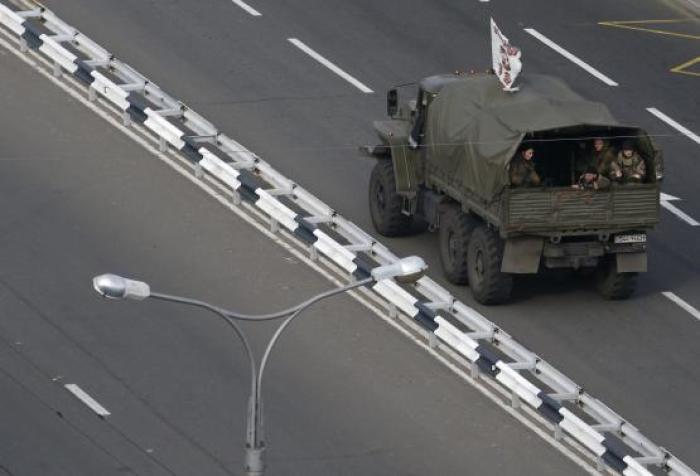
[[638, 238]]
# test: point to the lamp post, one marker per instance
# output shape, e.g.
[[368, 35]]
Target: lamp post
[[111, 286]]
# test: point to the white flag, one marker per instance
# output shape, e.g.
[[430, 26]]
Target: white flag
[[505, 57]]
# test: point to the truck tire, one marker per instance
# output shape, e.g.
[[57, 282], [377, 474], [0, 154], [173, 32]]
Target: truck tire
[[614, 285], [489, 285], [385, 203], [456, 229]]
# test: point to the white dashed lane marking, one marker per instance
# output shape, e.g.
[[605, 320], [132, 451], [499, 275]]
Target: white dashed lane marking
[[247, 8], [347, 77], [682, 129], [684, 305], [571, 57], [81, 395], [666, 199]]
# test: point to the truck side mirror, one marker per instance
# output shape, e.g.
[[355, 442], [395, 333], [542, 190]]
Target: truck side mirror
[[392, 102]]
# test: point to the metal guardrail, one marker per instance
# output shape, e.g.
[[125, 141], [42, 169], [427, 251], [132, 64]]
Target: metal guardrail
[[464, 335]]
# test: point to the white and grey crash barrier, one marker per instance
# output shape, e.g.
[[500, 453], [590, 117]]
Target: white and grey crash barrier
[[458, 331]]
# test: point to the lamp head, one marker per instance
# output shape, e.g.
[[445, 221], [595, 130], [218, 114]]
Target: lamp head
[[406, 270], [112, 286]]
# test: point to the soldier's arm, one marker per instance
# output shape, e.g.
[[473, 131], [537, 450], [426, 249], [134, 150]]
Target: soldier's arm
[[515, 178], [642, 168]]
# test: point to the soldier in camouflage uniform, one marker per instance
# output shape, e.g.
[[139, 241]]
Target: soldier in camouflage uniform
[[591, 179], [603, 156], [600, 157], [628, 166], [522, 170]]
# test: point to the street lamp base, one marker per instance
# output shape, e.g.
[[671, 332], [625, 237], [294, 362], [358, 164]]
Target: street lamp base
[[254, 461]]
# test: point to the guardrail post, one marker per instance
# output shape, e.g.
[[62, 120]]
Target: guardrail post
[[393, 311], [313, 253], [433, 342], [474, 370], [558, 434], [56, 69], [514, 400]]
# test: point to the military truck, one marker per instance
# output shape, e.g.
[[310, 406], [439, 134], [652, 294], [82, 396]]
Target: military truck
[[443, 163]]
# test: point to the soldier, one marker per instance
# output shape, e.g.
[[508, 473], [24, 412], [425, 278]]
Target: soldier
[[591, 179], [628, 166], [600, 157], [603, 156], [522, 170]]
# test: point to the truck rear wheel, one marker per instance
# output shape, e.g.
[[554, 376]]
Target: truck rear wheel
[[614, 285], [489, 285], [385, 204], [456, 229]]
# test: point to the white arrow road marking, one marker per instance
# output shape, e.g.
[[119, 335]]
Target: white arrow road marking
[[87, 399], [350, 79], [666, 203], [682, 129], [247, 8], [687, 307], [571, 57]]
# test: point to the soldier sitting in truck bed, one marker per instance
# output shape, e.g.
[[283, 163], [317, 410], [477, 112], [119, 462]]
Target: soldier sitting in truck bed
[[591, 179], [628, 166], [600, 156], [522, 169]]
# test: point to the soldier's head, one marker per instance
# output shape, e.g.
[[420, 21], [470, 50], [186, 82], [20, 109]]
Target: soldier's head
[[627, 148], [590, 174], [527, 152], [598, 144]]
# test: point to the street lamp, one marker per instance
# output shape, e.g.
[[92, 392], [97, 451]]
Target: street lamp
[[111, 286]]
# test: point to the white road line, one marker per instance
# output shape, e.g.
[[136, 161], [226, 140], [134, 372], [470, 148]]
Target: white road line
[[665, 199], [575, 59], [247, 8], [683, 130], [687, 307], [87, 399], [679, 213], [350, 79]]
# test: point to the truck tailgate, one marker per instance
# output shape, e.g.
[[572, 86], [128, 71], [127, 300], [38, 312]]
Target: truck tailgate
[[561, 208]]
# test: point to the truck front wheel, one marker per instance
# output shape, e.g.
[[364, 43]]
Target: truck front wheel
[[456, 229], [614, 285], [489, 285], [384, 203]]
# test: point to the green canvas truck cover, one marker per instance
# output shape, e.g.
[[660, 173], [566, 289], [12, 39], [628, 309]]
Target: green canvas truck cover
[[474, 128]]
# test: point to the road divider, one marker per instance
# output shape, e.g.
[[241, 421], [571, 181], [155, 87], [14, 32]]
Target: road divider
[[347, 77], [571, 57], [457, 334]]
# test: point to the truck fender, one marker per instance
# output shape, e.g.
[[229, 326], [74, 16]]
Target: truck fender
[[522, 255], [631, 262]]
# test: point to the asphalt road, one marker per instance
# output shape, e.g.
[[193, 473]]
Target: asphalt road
[[639, 356], [345, 393]]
